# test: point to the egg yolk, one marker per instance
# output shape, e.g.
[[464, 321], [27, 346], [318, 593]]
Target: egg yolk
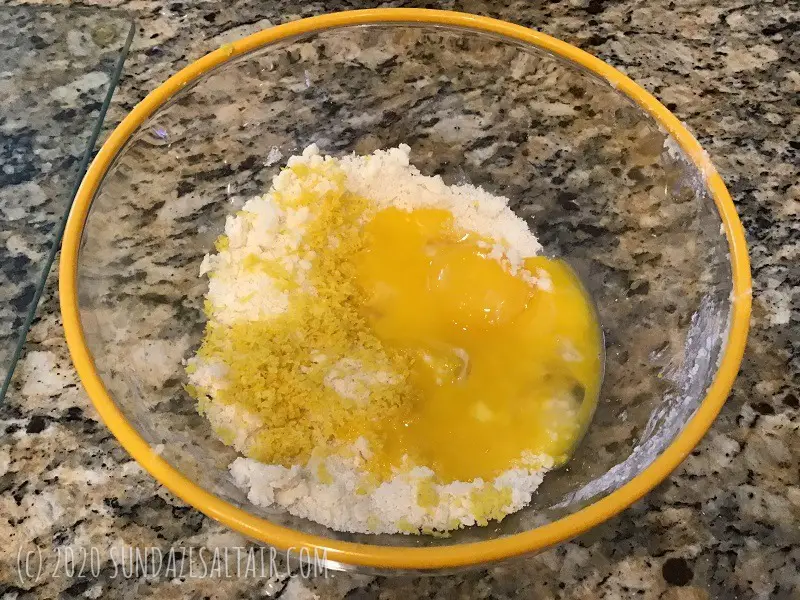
[[504, 365]]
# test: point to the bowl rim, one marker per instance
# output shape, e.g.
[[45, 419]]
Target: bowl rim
[[387, 557]]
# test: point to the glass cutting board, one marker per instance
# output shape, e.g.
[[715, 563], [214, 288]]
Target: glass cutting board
[[58, 70]]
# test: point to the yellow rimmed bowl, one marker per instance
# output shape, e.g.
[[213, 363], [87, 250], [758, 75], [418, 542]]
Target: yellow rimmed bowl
[[605, 175]]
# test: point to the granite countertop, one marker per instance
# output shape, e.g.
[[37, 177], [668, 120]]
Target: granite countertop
[[723, 525]]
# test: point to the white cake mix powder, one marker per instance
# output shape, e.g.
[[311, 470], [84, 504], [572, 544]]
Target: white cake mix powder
[[330, 489]]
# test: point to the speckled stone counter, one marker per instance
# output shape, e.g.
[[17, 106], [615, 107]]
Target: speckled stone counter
[[724, 525], [57, 67]]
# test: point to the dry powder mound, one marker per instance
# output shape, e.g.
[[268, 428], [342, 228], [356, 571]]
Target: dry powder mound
[[271, 231], [330, 492]]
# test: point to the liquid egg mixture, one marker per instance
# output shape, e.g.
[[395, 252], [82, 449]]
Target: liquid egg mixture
[[504, 366], [391, 354]]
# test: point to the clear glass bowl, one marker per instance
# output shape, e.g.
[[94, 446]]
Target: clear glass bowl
[[604, 175]]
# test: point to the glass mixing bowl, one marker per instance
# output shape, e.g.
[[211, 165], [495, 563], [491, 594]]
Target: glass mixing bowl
[[604, 174]]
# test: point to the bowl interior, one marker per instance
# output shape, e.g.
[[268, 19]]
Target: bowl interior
[[597, 179]]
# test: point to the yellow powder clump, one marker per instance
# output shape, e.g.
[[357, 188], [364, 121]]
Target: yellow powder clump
[[405, 526], [427, 496], [489, 503], [277, 368], [323, 474], [222, 243]]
